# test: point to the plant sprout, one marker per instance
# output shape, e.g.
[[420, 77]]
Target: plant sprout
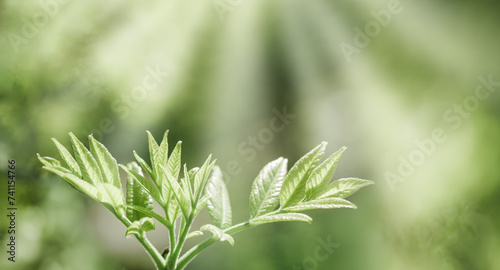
[[277, 194]]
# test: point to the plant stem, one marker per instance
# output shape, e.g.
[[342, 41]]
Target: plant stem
[[194, 251], [184, 230]]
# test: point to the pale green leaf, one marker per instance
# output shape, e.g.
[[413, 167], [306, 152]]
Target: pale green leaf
[[322, 175], [201, 177], [154, 154], [218, 233], [51, 162], [174, 161], [201, 203], [68, 159], [280, 218], [219, 207], [344, 187], [293, 189], [177, 192], [111, 197], [76, 182], [134, 229], [136, 194], [88, 165], [163, 151], [264, 196], [149, 187], [107, 163], [325, 203], [144, 166], [147, 224], [194, 234]]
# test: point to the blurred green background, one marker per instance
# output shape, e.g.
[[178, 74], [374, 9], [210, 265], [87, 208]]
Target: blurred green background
[[375, 76]]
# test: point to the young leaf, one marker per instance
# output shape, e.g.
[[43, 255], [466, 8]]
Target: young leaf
[[321, 175], [264, 196], [174, 161], [107, 163], [137, 195], [149, 187], [280, 218], [201, 203], [144, 166], [219, 207], [76, 182], [194, 234], [90, 170], [201, 177], [293, 189], [163, 150], [68, 159], [172, 185], [218, 233], [325, 203], [51, 162], [343, 188], [111, 198], [139, 227], [154, 153]]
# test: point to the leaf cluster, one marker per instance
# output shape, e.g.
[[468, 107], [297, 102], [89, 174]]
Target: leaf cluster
[[277, 194]]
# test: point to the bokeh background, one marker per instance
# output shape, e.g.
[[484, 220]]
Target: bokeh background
[[216, 73]]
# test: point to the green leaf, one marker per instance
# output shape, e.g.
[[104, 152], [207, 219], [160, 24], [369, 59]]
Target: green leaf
[[136, 194], [51, 162], [344, 187], [111, 198], [325, 203], [187, 183], [107, 163], [293, 189], [194, 234], [134, 228], [219, 207], [68, 159], [76, 182], [264, 196], [145, 166], [147, 224], [201, 177], [139, 227], [322, 175], [163, 151], [218, 233], [201, 203], [154, 154], [177, 192], [174, 161], [149, 187], [90, 169], [280, 218]]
